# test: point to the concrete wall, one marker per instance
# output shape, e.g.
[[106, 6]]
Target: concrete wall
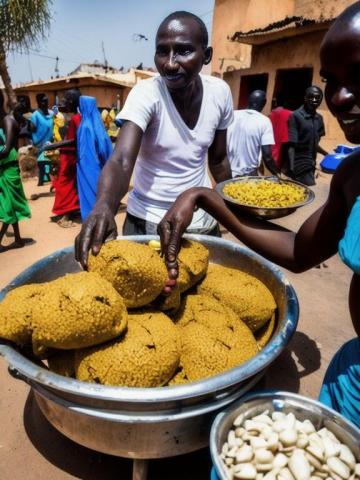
[[295, 52]]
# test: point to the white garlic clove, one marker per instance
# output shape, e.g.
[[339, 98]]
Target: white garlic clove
[[252, 426], [229, 461], [225, 448], [264, 467], [286, 474], [307, 427], [273, 442], [262, 455], [258, 442], [270, 476], [263, 419], [324, 432], [238, 420], [278, 416], [280, 460], [280, 425], [288, 437], [232, 452], [244, 454], [338, 467], [231, 439], [299, 465], [266, 432], [245, 471], [314, 461], [239, 432], [347, 456], [259, 476], [302, 440], [316, 450], [357, 469]]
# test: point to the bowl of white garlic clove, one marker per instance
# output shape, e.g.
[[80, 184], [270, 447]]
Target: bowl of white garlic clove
[[284, 436]]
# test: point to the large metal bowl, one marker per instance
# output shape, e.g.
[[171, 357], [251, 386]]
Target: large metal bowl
[[303, 408], [150, 422], [264, 212]]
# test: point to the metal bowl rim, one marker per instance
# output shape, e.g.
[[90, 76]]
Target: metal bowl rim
[[222, 381], [310, 195], [275, 395]]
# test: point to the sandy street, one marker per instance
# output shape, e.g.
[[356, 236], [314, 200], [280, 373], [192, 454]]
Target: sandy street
[[31, 449]]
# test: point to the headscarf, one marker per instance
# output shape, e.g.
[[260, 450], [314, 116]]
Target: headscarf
[[94, 148]]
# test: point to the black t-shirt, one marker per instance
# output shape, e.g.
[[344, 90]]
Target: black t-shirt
[[305, 131]]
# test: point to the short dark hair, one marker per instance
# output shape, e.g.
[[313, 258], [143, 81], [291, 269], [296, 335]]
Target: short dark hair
[[73, 94], [314, 87], [183, 14], [39, 97]]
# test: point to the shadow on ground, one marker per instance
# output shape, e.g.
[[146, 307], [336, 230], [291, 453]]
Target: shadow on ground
[[86, 464], [284, 374]]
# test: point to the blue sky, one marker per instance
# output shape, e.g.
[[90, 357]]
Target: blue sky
[[80, 26]]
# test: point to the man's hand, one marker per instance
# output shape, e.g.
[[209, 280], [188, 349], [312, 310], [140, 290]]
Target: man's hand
[[99, 226], [171, 229]]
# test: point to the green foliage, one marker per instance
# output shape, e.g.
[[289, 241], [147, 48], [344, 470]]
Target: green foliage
[[23, 23]]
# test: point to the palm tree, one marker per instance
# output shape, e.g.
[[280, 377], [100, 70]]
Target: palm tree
[[22, 24]]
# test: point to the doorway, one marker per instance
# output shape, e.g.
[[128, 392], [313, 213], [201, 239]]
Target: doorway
[[290, 86], [249, 83]]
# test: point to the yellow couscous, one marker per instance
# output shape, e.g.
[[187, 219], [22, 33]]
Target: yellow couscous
[[265, 194]]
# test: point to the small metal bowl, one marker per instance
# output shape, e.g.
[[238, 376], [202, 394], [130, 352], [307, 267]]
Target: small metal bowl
[[264, 212], [302, 407]]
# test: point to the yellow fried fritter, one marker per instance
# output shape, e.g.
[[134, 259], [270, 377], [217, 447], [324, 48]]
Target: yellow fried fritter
[[193, 260], [213, 338], [243, 293], [76, 311], [146, 356], [135, 270], [16, 313]]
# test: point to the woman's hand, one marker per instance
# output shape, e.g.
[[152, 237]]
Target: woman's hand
[[98, 227], [171, 229]]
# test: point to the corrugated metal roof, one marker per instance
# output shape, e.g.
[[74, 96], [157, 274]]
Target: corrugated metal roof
[[284, 25]]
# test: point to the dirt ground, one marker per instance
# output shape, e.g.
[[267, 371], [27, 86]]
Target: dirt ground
[[31, 449]]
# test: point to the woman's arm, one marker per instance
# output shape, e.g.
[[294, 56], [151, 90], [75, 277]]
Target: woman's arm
[[316, 240], [10, 137], [113, 186], [54, 146]]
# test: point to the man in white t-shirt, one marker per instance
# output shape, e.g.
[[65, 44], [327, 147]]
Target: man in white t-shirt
[[171, 123], [249, 138]]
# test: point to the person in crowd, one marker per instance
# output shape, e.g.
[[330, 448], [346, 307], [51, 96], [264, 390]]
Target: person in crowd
[[59, 123], [171, 122], [94, 149], [42, 128], [66, 205], [13, 204], [250, 137], [279, 118], [334, 227], [306, 127]]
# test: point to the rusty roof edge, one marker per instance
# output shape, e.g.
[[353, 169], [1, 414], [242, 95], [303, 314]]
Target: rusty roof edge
[[277, 26]]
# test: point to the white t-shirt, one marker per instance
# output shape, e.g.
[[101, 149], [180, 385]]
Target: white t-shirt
[[248, 132], [172, 157]]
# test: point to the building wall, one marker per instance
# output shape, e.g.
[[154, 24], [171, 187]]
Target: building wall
[[295, 52], [231, 16]]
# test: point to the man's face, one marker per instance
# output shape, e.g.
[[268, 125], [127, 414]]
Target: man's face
[[44, 103], [179, 54], [312, 100], [340, 69]]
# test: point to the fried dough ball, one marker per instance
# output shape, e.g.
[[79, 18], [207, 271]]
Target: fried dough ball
[[264, 334], [193, 260], [213, 339], [146, 356], [63, 363], [135, 270], [16, 312], [247, 296], [77, 311]]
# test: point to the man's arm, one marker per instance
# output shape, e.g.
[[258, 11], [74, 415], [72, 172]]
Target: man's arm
[[291, 157], [113, 186], [268, 159], [218, 162]]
